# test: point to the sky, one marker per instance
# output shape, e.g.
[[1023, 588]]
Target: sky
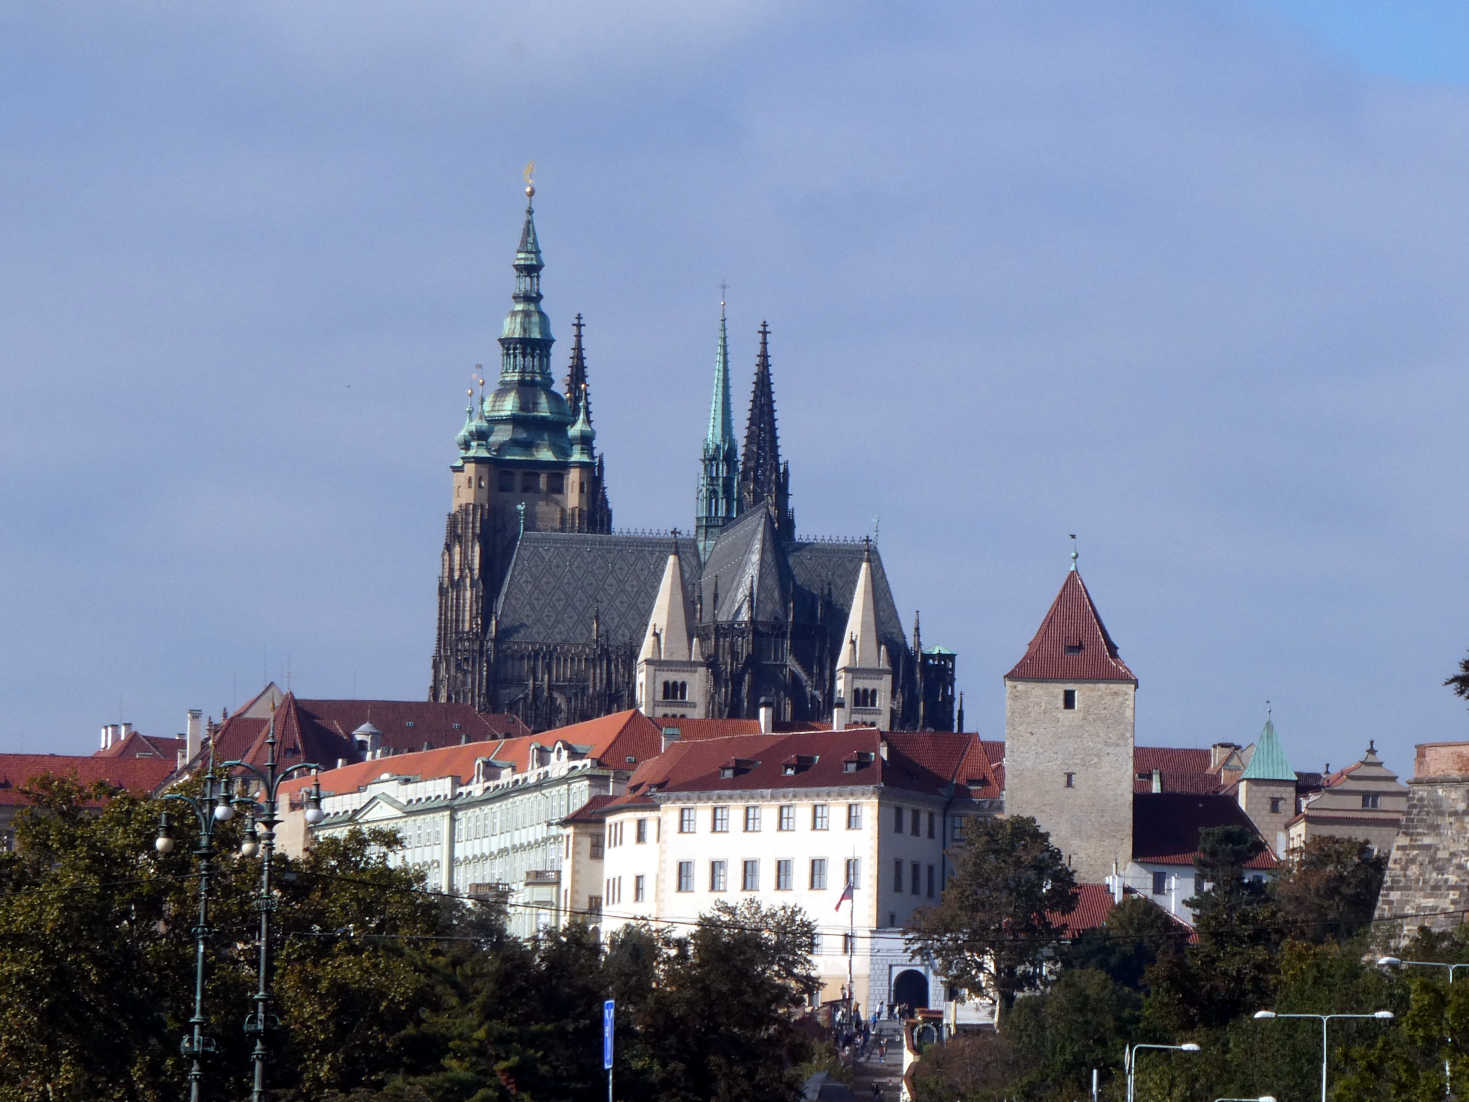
[[1184, 279]]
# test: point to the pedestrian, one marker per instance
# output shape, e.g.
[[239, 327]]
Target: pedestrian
[[877, 1092], [882, 1050]]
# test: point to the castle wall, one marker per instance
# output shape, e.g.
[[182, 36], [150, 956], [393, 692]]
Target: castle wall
[[1427, 881], [1071, 769]]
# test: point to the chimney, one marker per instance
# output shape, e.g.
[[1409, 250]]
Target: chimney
[[767, 715], [1219, 751], [1157, 780], [839, 715], [882, 748], [1116, 884], [670, 736], [113, 733], [194, 734]]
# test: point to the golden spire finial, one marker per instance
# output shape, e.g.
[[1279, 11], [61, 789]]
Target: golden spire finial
[[530, 179]]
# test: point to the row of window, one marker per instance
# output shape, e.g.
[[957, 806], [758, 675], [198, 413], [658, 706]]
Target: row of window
[[914, 878], [785, 818], [785, 875], [530, 481], [865, 698], [915, 821]]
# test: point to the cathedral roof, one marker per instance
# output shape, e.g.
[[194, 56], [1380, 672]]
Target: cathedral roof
[[1072, 643], [744, 564], [559, 581]]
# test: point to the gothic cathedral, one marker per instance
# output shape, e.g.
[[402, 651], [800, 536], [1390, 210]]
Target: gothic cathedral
[[546, 613]]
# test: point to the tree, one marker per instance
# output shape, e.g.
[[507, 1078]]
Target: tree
[[1459, 682], [1328, 889], [997, 917], [1135, 934]]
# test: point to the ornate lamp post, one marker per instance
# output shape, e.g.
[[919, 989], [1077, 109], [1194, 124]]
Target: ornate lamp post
[[260, 837], [1129, 1062], [1267, 1015], [209, 808], [1451, 968]]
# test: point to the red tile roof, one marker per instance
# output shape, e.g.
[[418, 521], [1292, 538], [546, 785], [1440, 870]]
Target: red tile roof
[[138, 745], [611, 740], [1093, 905], [1183, 769], [321, 730], [140, 775], [1166, 826], [1072, 643]]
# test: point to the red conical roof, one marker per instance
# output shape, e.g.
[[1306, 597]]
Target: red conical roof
[[1072, 643]]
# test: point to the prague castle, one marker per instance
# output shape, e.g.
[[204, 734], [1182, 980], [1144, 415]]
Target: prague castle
[[546, 613]]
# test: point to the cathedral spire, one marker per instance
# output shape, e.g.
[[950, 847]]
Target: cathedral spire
[[525, 339], [716, 505], [576, 373], [763, 479]]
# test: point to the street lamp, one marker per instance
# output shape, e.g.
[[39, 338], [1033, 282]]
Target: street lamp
[[1262, 1098], [1129, 1061], [209, 808], [1267, 1015], [1396, 962], [260, 837]]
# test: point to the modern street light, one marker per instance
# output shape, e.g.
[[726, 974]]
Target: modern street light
[[261, 837], [209, 808], [1129, 1061], [1451, 968], [1267, 1015]]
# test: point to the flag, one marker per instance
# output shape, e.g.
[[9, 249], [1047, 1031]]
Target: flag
[[846, 895]]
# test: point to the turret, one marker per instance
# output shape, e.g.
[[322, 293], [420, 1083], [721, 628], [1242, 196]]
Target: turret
[[672, 678], [719, 470], [764, 480], [864, 680]]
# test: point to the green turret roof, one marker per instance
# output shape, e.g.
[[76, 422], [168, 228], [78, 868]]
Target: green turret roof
[[528, 419], [1268, 762]]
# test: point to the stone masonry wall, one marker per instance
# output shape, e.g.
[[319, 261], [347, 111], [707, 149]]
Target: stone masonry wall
[[1427, 882], [1089, 820]]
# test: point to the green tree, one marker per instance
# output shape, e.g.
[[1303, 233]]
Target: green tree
[[1082, 1022], [1459, 682], [993, 928], [1328, 890], [1135, 934]]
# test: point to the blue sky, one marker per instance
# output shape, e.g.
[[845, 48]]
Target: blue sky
[[1185, 279]]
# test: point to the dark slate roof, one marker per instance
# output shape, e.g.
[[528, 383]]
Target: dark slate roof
[[1072, 643], [558, 580], [746, 553], [1166, 826]]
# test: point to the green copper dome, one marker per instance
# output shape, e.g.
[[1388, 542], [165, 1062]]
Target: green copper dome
[[527, 417]]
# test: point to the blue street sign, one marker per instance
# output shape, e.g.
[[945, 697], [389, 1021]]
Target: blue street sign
[[607, 1034]]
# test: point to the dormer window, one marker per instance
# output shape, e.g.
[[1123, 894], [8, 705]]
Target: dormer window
[[1073, 648]]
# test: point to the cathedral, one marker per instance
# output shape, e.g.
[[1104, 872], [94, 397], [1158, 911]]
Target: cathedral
[[546, 613]]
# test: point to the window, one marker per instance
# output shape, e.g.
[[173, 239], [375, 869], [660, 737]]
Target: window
[[930, 881], [783, 876], [1160, 883], [816, 943], [786, 817], [718, 876], [854, 872], [818, 874], [956, 828], [1070, 780], [507, 481], [686, 820], [530, 481], [596, 846], [848, 944], [555, 483], [930, 824], [720, 824], [897, 820], [854, 816], [820, 817], [750, 876], [752, 818], [898, 875], [637, 889], [915, 826], [594, 904], [642, 831], [1276, 804], [913, 879], [1068, 699], [685, 876], [1371, 799]]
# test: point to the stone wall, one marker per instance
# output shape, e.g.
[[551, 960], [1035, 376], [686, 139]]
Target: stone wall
[[1427, 882]]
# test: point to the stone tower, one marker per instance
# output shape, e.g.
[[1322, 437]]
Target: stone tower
[[1266, 789], [672, 676], [1069, 722], [764, 479], [527, 462], [719, 471], [864, 679]]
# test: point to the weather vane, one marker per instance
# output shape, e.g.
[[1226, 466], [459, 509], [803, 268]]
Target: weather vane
[[530, 179]]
